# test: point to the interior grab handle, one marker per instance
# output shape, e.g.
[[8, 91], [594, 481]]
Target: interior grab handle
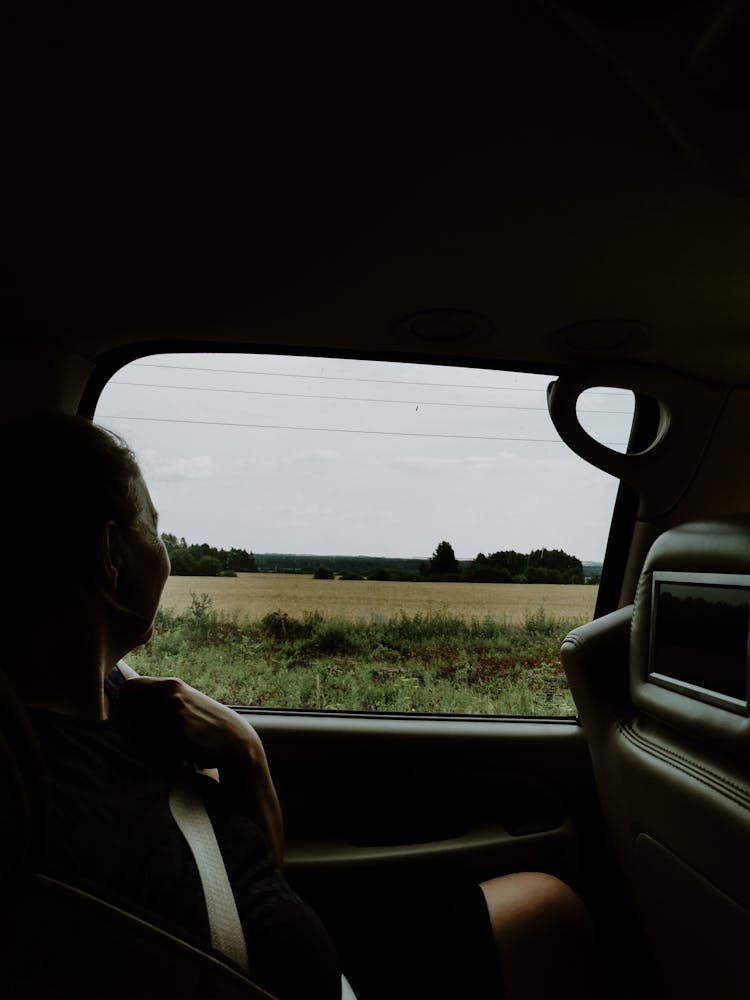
[[660, 473]]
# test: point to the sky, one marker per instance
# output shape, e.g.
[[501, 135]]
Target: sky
[[341, 457]]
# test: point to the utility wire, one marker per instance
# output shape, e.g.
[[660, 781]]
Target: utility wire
[[348, 378], [339, 430], [347, 399]]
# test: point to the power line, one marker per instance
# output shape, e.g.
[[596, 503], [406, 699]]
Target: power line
[[348, 378], [346, 399], [340, 430]]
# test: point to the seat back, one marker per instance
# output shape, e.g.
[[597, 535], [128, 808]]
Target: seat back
[[662, 691]]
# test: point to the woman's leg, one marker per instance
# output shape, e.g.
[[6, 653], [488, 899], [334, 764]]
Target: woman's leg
[[543, 935]]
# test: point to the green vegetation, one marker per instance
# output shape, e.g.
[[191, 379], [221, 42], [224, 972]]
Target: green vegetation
[[423, 663], [205, 560], [367, 566], [508, 566], [443, 565], [539, 566]]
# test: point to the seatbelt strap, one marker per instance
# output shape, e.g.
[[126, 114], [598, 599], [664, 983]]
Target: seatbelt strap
[[189, 813]]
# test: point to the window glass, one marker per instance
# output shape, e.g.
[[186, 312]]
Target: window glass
[[604, 412], [368, 536]]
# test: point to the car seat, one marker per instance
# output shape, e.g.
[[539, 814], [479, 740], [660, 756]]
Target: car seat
[[662, 691]]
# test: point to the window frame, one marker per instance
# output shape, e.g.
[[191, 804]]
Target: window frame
[[624, 513]]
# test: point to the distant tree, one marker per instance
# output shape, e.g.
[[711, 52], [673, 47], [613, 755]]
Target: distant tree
[[537, 574], [539, 566], [183, 563], [481, 570], [170, 541], [241, 561], [323, 573], [514, 562], [208, 566], [443, 561], [186, 559], [380, 574], [561, 567]]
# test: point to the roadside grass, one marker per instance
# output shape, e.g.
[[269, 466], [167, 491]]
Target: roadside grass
[[406, 663]]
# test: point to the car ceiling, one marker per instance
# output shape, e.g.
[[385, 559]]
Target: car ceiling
[[539, 186]]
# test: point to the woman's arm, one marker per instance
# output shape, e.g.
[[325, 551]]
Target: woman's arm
[[213, 735], [249, 784]]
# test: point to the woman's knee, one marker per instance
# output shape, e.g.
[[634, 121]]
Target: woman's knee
[[543, 935]]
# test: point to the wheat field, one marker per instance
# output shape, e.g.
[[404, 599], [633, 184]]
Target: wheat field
[[254, 595]]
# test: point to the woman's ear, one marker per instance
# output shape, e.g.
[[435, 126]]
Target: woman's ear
[[110, 555]]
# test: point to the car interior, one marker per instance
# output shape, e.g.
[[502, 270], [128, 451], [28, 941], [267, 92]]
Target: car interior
[[555, 188]]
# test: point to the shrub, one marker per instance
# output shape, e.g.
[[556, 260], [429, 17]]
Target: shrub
[[166, 620], [200, 619], [333, 636], [280, 626], [182, 562], [323, 573], [208, 566]]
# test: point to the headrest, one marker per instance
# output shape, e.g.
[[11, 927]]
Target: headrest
[[23, 792], [690, 632]]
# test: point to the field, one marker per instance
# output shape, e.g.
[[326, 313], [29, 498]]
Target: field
[[293, 642], [254, 595]]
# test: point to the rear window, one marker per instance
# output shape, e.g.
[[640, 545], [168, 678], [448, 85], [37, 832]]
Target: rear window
[[366, 536]]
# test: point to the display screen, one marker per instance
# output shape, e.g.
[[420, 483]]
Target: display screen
[[700, 635]]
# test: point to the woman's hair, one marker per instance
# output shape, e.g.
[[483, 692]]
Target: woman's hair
[[64, 479]]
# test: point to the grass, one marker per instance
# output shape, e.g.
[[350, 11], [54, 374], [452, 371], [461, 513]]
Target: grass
[[431, 662]]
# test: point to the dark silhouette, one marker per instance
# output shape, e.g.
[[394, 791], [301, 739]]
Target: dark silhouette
[[75, 491]]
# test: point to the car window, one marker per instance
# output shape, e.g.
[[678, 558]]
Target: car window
[[366, 536]]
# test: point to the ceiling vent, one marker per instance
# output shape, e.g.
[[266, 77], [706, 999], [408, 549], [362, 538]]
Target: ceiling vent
[[444, 325]]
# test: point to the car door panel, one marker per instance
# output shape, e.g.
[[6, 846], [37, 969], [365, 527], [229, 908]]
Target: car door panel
[[373, 796]]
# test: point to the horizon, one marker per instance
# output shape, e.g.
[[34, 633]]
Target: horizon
[[364, 555]]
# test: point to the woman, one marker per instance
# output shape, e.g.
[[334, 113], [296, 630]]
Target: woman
[[81, 517]]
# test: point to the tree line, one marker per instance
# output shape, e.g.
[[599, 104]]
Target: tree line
[[206, 560], [506, 566]]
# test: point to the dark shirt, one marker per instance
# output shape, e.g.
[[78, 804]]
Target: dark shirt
[[112, 833]]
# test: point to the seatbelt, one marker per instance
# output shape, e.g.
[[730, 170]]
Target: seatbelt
[[189, 813]]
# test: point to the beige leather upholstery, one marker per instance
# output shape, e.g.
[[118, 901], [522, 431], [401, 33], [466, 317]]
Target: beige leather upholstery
[[674, 778]]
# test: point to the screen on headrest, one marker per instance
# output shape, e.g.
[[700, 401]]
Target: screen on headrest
[[699, 636]]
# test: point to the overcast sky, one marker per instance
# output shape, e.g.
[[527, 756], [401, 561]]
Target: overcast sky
[[324, 456]]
